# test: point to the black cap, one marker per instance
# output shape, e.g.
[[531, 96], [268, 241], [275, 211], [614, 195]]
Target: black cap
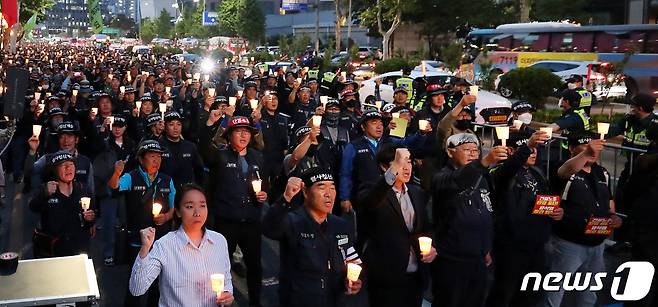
[[572, 96], [146, 98], [522, 107], [400, 109], [302, 131], [435, 89], [220, 100], [56, 111], [172, 115], [370, 115], [400, 89], [67, 127], [574, 78], [315, 174], [237, 122], [120, 121], [53, 98], [332, 102], [153, 119], [60, 157], [643, 101], [249, 84], [518, 139], [149, 146], [129, 89], [582, 138]]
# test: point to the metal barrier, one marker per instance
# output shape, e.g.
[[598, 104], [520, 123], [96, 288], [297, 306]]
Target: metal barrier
[[609, 157]]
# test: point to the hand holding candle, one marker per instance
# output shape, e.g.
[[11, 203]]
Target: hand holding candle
[[232, 101], [217, 283], [211, 92], [157, 208], [317, 120], [324, 100], [548, 131], [353, 272], [603, 129], [257, 185], [473, 89], [503, 134], [425, 244], [423, 124], [253, 103], [85, 202], [122, 89], [36, 130]]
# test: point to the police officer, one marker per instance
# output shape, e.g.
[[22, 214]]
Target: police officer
[[573, 119], [328, 83], [576, 244], [66, 225], [434, 110], [522, 111], [463, 211], [459, 86], [143, 188], [181, 159], [519, 236], [587, 98], [236, 202], [400, 96], [274, 126], [315, 245], [405, 82]]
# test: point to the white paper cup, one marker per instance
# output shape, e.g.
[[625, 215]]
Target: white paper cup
[[324, 100], [474, 90], [317, 120], [378, 104], [425, 245], [138, 104], [206, 77], [253, 103], [169, 103], [74, 92], [168, 89], [217, 283], [37, 95], [353, 271], [423, 124], [163, 107], [85, 202], [548, 131], [603, 129], [111, 118], [257, 185], [94, 110], [122, 89], [232, 101], [157, 208], [211, 92], [36, 130], [299, 80], [197, 76]]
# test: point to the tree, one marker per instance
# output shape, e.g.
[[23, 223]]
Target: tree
[[27, 8], [163, 26], [241, 18], [385, 16], [148, 30], [122, 22]]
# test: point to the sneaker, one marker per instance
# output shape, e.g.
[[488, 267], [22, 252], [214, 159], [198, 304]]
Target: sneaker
[[109, 261]]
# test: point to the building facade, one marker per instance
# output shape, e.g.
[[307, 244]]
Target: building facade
[[67, 17]]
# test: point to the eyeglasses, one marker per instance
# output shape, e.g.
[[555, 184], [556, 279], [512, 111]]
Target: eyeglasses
[[468, 151]]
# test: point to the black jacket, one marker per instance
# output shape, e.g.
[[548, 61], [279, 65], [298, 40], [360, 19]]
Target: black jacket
[[313, 268], [182, 162], [463, 212], [231, 193], [386, 253]]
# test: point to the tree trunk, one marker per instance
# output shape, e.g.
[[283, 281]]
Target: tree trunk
[[524, 10], [386, 35]]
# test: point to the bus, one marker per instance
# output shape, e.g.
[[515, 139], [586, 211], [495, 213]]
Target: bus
[[520, 45]]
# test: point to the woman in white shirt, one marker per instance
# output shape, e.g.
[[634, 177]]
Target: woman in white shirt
[[184, 259]]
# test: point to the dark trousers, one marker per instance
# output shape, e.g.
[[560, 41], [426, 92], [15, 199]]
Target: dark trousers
[[511, 265], [408, 292], [152, 295], [248, 236], [458, 283]]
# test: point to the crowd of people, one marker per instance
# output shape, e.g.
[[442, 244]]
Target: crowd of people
[[179, 169]]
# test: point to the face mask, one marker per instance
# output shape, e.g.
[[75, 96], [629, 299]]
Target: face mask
[[571, 86], [463, 124], [526, 118], [331, 119]]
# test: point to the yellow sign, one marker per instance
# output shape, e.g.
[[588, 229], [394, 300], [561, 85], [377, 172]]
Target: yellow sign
[[526, 59]]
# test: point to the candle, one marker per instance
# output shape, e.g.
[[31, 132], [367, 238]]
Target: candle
[[156, 209], [603, 129], [36, 130], [168, 89], [284, 68], [48, 94], [378, 104], [474, 90], [130, 78], [163, 107], [211, 92], [317, 120], [299, 80], [517, 124], [252, 59], [110, 76], [94, 111], [122, 89], [253, 103], [206, 77], [84, 202], [396, 115], [197, 76], [324, 100], [232, 101], [138, 103], [343, 74], [240, 93], [425, 245], [37, 96], [75, 92], [353, 272], [217, 283], [41, 106], [257, 184], [423, 124], [503, 134], [111, 118], [548, 131]]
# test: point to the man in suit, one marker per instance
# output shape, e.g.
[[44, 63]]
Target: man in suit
[[395, 215]]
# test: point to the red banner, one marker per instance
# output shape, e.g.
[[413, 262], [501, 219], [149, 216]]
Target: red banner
[[10, 11]]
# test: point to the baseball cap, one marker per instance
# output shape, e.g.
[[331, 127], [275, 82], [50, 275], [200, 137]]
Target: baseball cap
[[149, 146], [400, 89], [56, 111], [461, 139], [572, 96], [522, 106], [67, 127], [314, 175], [575, 78], [153, 119], [302, 131], [172, 115], [120, 121], [370, 115], [238, 122], [60, 157], [435, 89]]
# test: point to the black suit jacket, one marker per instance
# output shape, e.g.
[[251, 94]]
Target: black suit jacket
[[388, 242]]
